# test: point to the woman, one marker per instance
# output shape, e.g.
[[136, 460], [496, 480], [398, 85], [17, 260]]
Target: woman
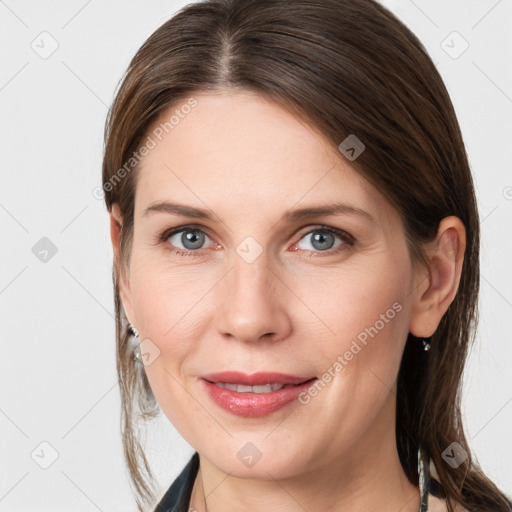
[[296, 270]]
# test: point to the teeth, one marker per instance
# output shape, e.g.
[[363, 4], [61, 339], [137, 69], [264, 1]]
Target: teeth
[[242, 388]]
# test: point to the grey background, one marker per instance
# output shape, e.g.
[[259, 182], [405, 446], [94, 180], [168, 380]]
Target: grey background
[[57, 376]]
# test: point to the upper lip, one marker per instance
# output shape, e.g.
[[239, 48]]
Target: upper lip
[[255, 379]]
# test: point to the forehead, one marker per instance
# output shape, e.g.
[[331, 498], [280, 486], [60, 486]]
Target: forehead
[[242, 150]]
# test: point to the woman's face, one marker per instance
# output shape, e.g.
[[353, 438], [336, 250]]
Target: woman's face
[[256, 288]]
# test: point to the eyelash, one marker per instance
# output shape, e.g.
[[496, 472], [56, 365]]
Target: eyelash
[[347, 240]]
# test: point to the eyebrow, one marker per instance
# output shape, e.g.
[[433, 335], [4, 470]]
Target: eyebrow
[[289, 216]]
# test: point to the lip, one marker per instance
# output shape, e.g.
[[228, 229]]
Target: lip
[[253, 405]]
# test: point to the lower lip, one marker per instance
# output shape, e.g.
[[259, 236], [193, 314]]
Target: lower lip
[[253, 405]]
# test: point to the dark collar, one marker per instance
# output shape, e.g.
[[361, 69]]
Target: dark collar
[[177, 497]]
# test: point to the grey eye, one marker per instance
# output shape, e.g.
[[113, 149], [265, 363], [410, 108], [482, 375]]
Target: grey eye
[[191, 239], [320, 240]]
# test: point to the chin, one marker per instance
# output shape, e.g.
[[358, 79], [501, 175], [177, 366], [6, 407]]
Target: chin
[[253, 456]]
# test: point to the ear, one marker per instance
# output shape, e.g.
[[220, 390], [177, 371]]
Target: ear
[[116, 224], [435, 287]]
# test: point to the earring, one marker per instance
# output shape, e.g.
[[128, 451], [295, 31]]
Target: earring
[[423, 481], [136, 351], [133, 330], [426, 344]]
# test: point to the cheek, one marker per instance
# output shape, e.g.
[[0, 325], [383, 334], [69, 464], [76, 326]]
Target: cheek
[[170, 305], [359, 363], [365, 303], [166, 295], [368, 313]]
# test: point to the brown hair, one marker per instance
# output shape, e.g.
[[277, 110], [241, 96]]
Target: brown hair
[[346, 67]]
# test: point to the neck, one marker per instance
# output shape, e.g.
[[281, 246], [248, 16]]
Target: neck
[[367, 477]]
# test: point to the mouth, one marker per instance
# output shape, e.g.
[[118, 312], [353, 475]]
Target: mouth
[[243, 388], [254, 395], [262, 382]]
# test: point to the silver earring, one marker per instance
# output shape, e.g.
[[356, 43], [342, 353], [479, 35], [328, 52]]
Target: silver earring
[[423, 477], [133, 330], [136, 351], [426, 344]]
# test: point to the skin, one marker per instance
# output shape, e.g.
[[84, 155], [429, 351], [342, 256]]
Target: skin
[[294, 309]]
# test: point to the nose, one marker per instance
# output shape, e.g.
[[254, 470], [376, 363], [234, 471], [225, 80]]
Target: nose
[[253, 303]]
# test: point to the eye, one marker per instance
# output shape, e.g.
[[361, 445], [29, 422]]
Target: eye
[[325, 240], [185, 240]]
